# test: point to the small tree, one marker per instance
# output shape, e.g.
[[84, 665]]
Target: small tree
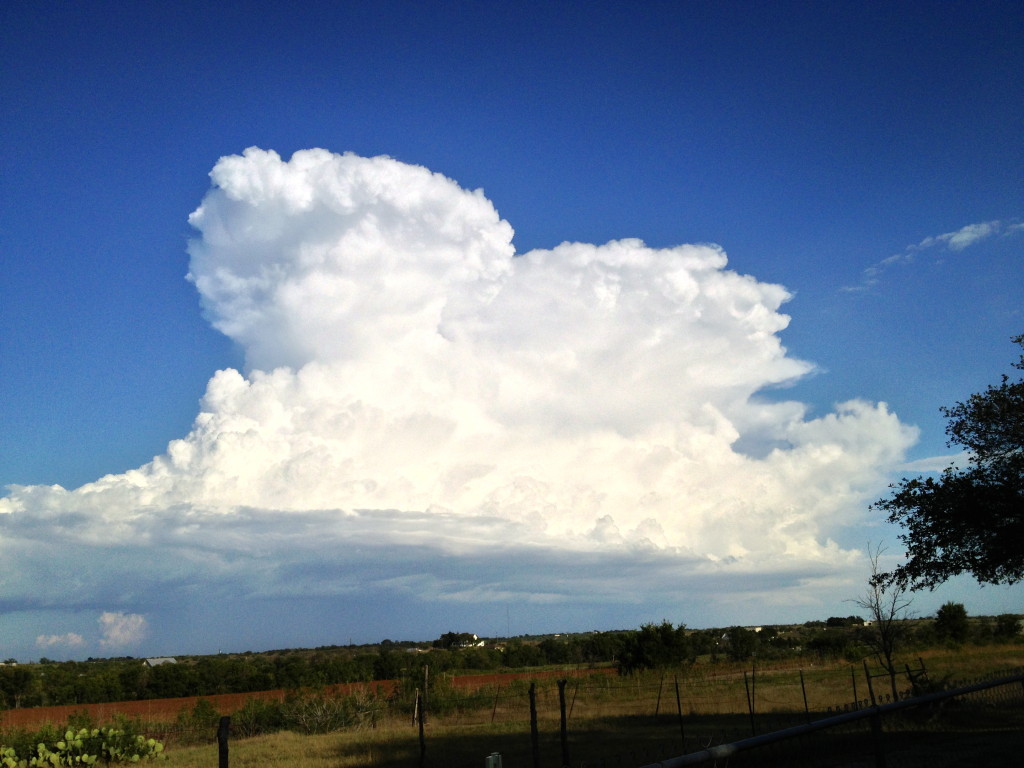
[[951, 623], [887, 603]]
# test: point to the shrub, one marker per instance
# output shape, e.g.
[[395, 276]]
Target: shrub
[[202, 716], [258, 716], [315, 712], [1007, 627]]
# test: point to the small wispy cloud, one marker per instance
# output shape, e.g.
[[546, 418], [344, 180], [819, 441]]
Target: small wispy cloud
[[122, 629], [952, 241], [934, 463], [70, 640]]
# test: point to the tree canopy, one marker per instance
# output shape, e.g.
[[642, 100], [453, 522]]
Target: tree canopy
[[951, 623], [969, 520]]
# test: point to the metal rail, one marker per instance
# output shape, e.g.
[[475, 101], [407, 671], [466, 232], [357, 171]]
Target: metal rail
[[725, 750]]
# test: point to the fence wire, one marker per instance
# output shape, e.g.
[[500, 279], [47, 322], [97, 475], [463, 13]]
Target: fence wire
[[624, 722]]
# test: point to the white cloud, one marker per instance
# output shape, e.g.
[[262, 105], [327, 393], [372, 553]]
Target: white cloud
[[69, 640], [417, 395], [935, 463], [954, 241], [121, 630], [962, 238]]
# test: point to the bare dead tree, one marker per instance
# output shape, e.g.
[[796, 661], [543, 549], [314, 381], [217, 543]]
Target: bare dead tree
[[887, 601]]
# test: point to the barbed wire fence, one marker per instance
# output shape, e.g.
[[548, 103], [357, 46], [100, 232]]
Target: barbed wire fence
[[655, 714]]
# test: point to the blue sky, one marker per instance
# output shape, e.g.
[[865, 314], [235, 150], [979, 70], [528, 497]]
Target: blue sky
[[865, 156]]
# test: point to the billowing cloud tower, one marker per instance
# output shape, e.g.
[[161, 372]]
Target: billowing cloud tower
[[412, 383]]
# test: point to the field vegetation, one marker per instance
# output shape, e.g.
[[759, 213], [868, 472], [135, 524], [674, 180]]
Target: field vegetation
[[614, 720], [621, 710]]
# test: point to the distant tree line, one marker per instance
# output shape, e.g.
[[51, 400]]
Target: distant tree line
[[651, 646], [51, 683]]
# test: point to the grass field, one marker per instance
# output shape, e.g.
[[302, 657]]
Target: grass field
[[633, 721]]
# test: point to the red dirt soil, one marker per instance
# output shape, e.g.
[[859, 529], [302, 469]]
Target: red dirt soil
[[167, 710]]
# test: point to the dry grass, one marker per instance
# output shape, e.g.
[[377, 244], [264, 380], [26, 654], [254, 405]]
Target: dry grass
[[612, 721], [291, 750]]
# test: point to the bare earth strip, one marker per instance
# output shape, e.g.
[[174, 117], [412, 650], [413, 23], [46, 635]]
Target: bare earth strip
[[166, 710]]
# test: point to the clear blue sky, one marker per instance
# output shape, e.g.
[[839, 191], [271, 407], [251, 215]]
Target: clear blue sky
[[864, 155]]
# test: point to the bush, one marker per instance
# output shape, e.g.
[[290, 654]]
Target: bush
[[1007, 627], [257, 717], [202, 717], [315, 712], [830, 644]]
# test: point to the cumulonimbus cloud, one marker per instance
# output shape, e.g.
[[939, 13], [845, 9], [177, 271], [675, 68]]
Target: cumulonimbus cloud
[[412, 381]]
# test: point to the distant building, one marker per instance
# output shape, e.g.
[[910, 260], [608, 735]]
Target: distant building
[[160, 661]]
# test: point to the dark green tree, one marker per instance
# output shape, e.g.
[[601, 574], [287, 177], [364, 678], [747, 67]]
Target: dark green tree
[[969, 520], [951, 623], [16, 685], [520, 654], [742, 643], [455, 640], [1007, 627], [830, 644], [654, 646]]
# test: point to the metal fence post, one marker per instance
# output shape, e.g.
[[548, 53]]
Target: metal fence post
[[803, 690], [679, 709]]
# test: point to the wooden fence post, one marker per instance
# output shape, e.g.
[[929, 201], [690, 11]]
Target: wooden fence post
[[753, 685], [750, 704], [420, 703], [564, 728], [534, 735], [426, 696], [871, 687], [222, 742]]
